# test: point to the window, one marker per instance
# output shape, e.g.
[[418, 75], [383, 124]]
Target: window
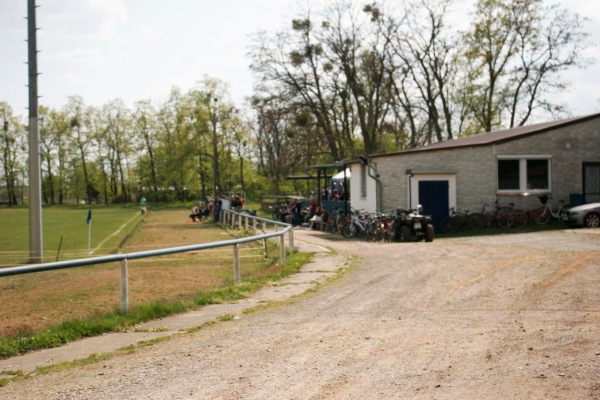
[[524, 174]]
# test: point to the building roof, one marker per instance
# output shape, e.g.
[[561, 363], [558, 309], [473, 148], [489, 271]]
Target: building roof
[[488, 138]]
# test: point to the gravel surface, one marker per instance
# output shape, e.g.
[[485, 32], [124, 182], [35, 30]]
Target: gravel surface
[[513, 317]]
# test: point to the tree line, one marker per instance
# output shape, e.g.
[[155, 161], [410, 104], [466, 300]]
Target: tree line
[[343, 79]]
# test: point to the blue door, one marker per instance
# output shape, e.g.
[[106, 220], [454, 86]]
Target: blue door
[[434, 197]]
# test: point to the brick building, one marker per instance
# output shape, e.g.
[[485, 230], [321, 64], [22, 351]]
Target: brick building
[[560, 158]]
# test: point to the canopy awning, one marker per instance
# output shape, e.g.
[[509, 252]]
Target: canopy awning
[[340, 175]]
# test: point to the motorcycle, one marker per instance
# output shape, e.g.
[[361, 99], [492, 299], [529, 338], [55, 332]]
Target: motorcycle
[[413, 226]]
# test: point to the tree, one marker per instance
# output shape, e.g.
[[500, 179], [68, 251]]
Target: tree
[[177, 146], [12, 145], [517, 50], [279, 150], [54, 128], [426, 67], [146, 132], [291, 67], [118, 142], [80, 139], [363, 55]]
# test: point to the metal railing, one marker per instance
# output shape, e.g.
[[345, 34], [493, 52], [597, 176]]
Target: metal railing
[[231, 218]]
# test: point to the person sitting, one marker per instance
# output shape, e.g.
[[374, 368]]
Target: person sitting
[[198, 212], [317, 219]]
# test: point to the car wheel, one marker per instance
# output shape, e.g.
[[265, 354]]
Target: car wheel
[[592, 220], [429, 233]]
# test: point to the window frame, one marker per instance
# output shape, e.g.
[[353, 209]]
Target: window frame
[[523, 175]]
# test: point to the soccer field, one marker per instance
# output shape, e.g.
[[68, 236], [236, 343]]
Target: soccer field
[[66, 232]]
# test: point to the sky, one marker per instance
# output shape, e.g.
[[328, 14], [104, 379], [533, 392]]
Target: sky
[[135, 50]]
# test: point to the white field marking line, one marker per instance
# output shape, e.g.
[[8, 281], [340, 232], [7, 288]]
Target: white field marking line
[[315, 245], [115, 233]]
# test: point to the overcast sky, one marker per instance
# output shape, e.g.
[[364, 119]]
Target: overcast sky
[[139, 49]]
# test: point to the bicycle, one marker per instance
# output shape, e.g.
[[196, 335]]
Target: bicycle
[[519, 216], [481, 219], [457, 220], [502, 215], [542, 215], [335, 221], [358, 221], [509, 216]]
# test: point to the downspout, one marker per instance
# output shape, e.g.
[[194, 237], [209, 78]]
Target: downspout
[[409, 175]]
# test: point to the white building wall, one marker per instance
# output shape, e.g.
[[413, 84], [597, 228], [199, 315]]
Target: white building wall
[[357, 201]]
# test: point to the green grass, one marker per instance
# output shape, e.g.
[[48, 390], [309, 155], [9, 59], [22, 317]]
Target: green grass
[[69, 224], [65, 232]]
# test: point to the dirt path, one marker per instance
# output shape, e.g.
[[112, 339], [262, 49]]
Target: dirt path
[[512, 317]]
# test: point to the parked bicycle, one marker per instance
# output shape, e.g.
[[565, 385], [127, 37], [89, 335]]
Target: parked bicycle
[[501, 215], [519, 216], [359, 222], [335, 221], [542, 215], [457, 220]]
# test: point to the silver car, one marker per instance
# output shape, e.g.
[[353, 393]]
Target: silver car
[[585, 215]]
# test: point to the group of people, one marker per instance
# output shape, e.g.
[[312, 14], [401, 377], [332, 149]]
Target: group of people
[[236, 202], [336, 193], [311, 217], [213, 207], [291, 212], [199, 211]]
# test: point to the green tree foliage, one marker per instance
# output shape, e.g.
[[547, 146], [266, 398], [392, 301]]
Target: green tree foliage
[[341, 80], [12, 140]]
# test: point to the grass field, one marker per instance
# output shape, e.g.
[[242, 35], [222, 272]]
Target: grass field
[[34, 302], [65, 233]]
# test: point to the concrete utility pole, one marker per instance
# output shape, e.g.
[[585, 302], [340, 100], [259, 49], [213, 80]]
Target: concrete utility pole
[[35, 181]]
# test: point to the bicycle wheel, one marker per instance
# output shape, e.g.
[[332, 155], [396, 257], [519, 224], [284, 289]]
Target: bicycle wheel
[[488, 219], [541, 216], [520, 218], [448, 225], [350, 230], [504, 219], [476, 221]]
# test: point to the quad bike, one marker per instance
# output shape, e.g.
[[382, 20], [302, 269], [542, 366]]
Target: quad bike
[[412, 226]]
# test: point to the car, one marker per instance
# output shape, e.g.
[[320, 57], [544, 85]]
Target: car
[[584, 215]]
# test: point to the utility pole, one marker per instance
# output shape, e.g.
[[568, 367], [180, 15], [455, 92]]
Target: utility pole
[[35, 181]]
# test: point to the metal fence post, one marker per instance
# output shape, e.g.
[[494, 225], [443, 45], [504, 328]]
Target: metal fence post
[[124, 287], [266, 247], [291, 241], [282, 249], [236, 263]]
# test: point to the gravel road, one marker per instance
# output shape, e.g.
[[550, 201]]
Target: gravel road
[[512, 317]]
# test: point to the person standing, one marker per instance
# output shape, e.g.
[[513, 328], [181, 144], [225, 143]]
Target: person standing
[[143, 203]]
